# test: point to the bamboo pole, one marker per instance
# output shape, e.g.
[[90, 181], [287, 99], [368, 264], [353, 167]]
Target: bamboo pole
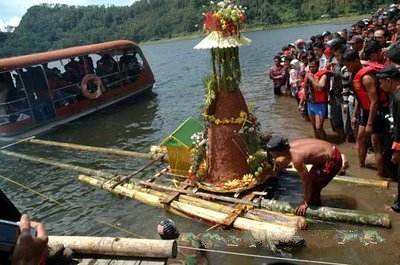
[[362, 181], [332, 214], [297, 222], [353, 180], [149, 155], [260, 230], [46, 161], [117, 246], [156, 155]]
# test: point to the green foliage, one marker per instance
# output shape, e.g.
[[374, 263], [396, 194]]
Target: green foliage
[[52, 26]]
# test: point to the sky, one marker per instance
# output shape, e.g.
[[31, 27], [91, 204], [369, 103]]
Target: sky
[[11, 11]]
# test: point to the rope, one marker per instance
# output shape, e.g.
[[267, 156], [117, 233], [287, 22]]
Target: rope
[[17, 142], [67, 206], [261, 256]]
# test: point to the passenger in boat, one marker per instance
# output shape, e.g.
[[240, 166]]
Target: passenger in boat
[[56, 81], [86, 64], [129, 62], [389, 79], [73, 71], [167, 230], [106, 65], [325, 158]]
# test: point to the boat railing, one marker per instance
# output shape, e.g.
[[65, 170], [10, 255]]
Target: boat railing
[[63, 96], [14, 111]]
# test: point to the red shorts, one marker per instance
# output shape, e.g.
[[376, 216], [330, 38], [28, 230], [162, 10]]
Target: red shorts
[[323, 173]]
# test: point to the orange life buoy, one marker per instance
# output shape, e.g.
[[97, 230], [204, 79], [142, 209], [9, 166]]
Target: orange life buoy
[[97, 81]]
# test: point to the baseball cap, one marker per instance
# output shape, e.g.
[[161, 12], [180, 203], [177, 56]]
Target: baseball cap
[[389, 71], [277, 143], [356, 39]]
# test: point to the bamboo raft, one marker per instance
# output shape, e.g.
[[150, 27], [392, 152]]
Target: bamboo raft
[[265, 220]]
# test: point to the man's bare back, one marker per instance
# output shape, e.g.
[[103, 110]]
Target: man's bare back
[[325, 158]]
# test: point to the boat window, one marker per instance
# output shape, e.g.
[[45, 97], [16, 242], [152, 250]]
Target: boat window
[[39, 97], [107, 69], [63, 91]]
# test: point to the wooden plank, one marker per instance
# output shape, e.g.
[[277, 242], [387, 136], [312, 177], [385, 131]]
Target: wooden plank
[[238, 210], [195, 194], [174, 194]]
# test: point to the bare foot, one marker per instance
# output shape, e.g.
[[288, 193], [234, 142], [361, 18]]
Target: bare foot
[[388, 208], [361, 165], [345, 165]]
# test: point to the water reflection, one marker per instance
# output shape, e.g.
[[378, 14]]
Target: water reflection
[[69, 207]]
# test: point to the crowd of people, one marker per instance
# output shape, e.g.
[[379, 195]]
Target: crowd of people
[[349, 78]]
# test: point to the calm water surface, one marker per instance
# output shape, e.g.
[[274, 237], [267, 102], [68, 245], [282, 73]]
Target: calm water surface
[[68, 207]]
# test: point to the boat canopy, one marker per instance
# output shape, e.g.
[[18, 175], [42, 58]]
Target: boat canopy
[[11, 63]]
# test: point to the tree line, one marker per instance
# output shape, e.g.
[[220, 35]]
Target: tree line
[[52, 26]]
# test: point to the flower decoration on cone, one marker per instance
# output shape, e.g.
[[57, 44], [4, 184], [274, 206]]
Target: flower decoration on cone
[[228, 155]]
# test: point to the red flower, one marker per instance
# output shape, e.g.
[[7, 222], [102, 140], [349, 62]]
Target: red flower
[[211, 22]]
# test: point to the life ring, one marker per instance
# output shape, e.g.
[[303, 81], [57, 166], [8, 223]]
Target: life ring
[[97, 81]]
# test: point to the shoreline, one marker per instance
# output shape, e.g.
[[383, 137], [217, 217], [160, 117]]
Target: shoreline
[[320, 21]]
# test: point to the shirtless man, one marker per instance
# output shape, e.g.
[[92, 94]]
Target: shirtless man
[[325, 158]]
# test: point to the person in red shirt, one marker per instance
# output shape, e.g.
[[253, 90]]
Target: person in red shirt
[[277, 74]]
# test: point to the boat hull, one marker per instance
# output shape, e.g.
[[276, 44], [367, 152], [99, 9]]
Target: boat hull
[[35, 99]]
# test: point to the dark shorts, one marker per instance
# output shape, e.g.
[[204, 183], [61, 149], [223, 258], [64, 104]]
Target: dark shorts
[[323, 173], [380, 122]]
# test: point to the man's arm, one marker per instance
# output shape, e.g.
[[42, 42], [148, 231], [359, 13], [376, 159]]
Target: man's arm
[[370, 86], [320, 84], [307, 188]]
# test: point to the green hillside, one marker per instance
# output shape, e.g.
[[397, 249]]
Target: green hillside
[[52, 26]]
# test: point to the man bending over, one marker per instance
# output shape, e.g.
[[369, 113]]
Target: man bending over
[[325, 158]]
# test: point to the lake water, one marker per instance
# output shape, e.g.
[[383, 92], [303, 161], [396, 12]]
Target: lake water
[[68, 207]]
